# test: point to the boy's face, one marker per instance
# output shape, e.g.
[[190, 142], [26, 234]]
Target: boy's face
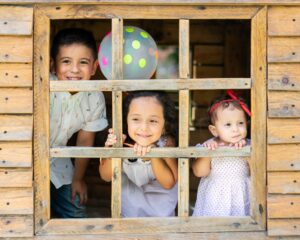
[[74, 62], [145, 120], [230, 125]]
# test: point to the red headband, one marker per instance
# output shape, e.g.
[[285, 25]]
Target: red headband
[[231, 94]]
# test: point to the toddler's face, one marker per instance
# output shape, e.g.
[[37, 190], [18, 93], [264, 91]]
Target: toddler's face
[[231, 125], [145, 120], [75, 62]]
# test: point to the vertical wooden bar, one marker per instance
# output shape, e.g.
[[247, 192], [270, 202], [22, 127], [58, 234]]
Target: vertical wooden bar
[[258, 119], [117, 73], [41, 119], [184, 106]]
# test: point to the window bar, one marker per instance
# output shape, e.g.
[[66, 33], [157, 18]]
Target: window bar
[[117, 73], [184, 99]]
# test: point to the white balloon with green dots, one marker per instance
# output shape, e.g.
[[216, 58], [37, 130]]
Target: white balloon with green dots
[[139, 54]]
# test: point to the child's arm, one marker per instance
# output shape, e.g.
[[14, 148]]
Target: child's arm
[[105, 167], [201, 167], [79, 187], [166, 169]]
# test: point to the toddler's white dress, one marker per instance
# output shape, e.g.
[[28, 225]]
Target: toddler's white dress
[[226, 190]]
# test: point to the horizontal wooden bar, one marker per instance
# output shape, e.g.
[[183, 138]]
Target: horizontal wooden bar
[[15, 75], [146, 225], [283, 130], [189, 152], [283, 206], [16, 20], [138, 11], [155, 84], [284, 104], [283, 157], [16, 177], [283, 21], [16, 226], [162, 2], [284, 76], [284, 182], [284, 227]]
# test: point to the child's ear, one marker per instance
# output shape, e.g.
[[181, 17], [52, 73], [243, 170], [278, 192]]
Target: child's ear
[[213, 130], [95, 65]]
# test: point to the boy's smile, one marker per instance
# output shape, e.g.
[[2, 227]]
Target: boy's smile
[[75, 62]]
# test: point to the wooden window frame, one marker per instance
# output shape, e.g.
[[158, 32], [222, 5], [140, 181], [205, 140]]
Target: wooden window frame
[[181, 223]]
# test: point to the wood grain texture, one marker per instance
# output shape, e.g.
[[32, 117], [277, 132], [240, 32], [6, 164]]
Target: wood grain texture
[[284, 182], [281, 130], [15, 75], [16, 177], [15, 154], [16, 20]]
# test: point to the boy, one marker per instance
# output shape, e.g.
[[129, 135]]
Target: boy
[[73, 57]]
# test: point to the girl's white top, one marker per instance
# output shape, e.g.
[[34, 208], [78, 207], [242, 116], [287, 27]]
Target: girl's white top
[[226, 190], [142, 195], [69, 114]]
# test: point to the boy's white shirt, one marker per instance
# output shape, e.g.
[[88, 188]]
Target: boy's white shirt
[[69, 114]]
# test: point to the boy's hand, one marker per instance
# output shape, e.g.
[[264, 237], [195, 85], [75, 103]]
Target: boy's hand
[[239, 145], [112, 138], [79, 187]]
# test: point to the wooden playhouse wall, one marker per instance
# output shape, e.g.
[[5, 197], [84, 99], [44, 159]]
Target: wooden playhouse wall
[[16, 121]]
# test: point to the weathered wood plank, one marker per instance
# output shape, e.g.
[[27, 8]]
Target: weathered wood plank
[[95, 152], [184, 106], [15, 154], [15, 128], [16, 75], [284, 157], [153, 12], [16, 49], [284, 104], [16, 201], [284, 182], [155, 84], [149, 225], [283, 49], [167, 2], [285, 77], [284, 227], [117, 73], [283, 131], [258, 119], [16, 100], [283, 21], [283, 206], [16, 226], [41, 119], [16, 177], [16, 20]]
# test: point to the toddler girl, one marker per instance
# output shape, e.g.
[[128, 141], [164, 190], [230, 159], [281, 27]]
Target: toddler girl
[[225, 181]]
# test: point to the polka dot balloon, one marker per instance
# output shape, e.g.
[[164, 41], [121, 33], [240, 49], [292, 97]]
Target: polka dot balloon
[[139, 54]]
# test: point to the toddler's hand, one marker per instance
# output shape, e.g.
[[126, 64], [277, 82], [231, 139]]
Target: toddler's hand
[[211, 144], [238, 145], [141, 150]]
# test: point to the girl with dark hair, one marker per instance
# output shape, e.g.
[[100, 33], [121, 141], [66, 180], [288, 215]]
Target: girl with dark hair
[[149, 185]]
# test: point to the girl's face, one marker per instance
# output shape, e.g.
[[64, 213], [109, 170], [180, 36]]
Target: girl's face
[[74, 62], [230, 125], [145, 120]]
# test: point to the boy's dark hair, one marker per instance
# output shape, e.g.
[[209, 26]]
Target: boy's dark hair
[[223, 105], [69, 36], [169, 111]]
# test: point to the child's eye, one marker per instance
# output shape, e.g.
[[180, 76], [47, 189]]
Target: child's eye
[[84, 62], [135, 119], [66, 61], [241, 123], [153, 121], [228, 124]]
